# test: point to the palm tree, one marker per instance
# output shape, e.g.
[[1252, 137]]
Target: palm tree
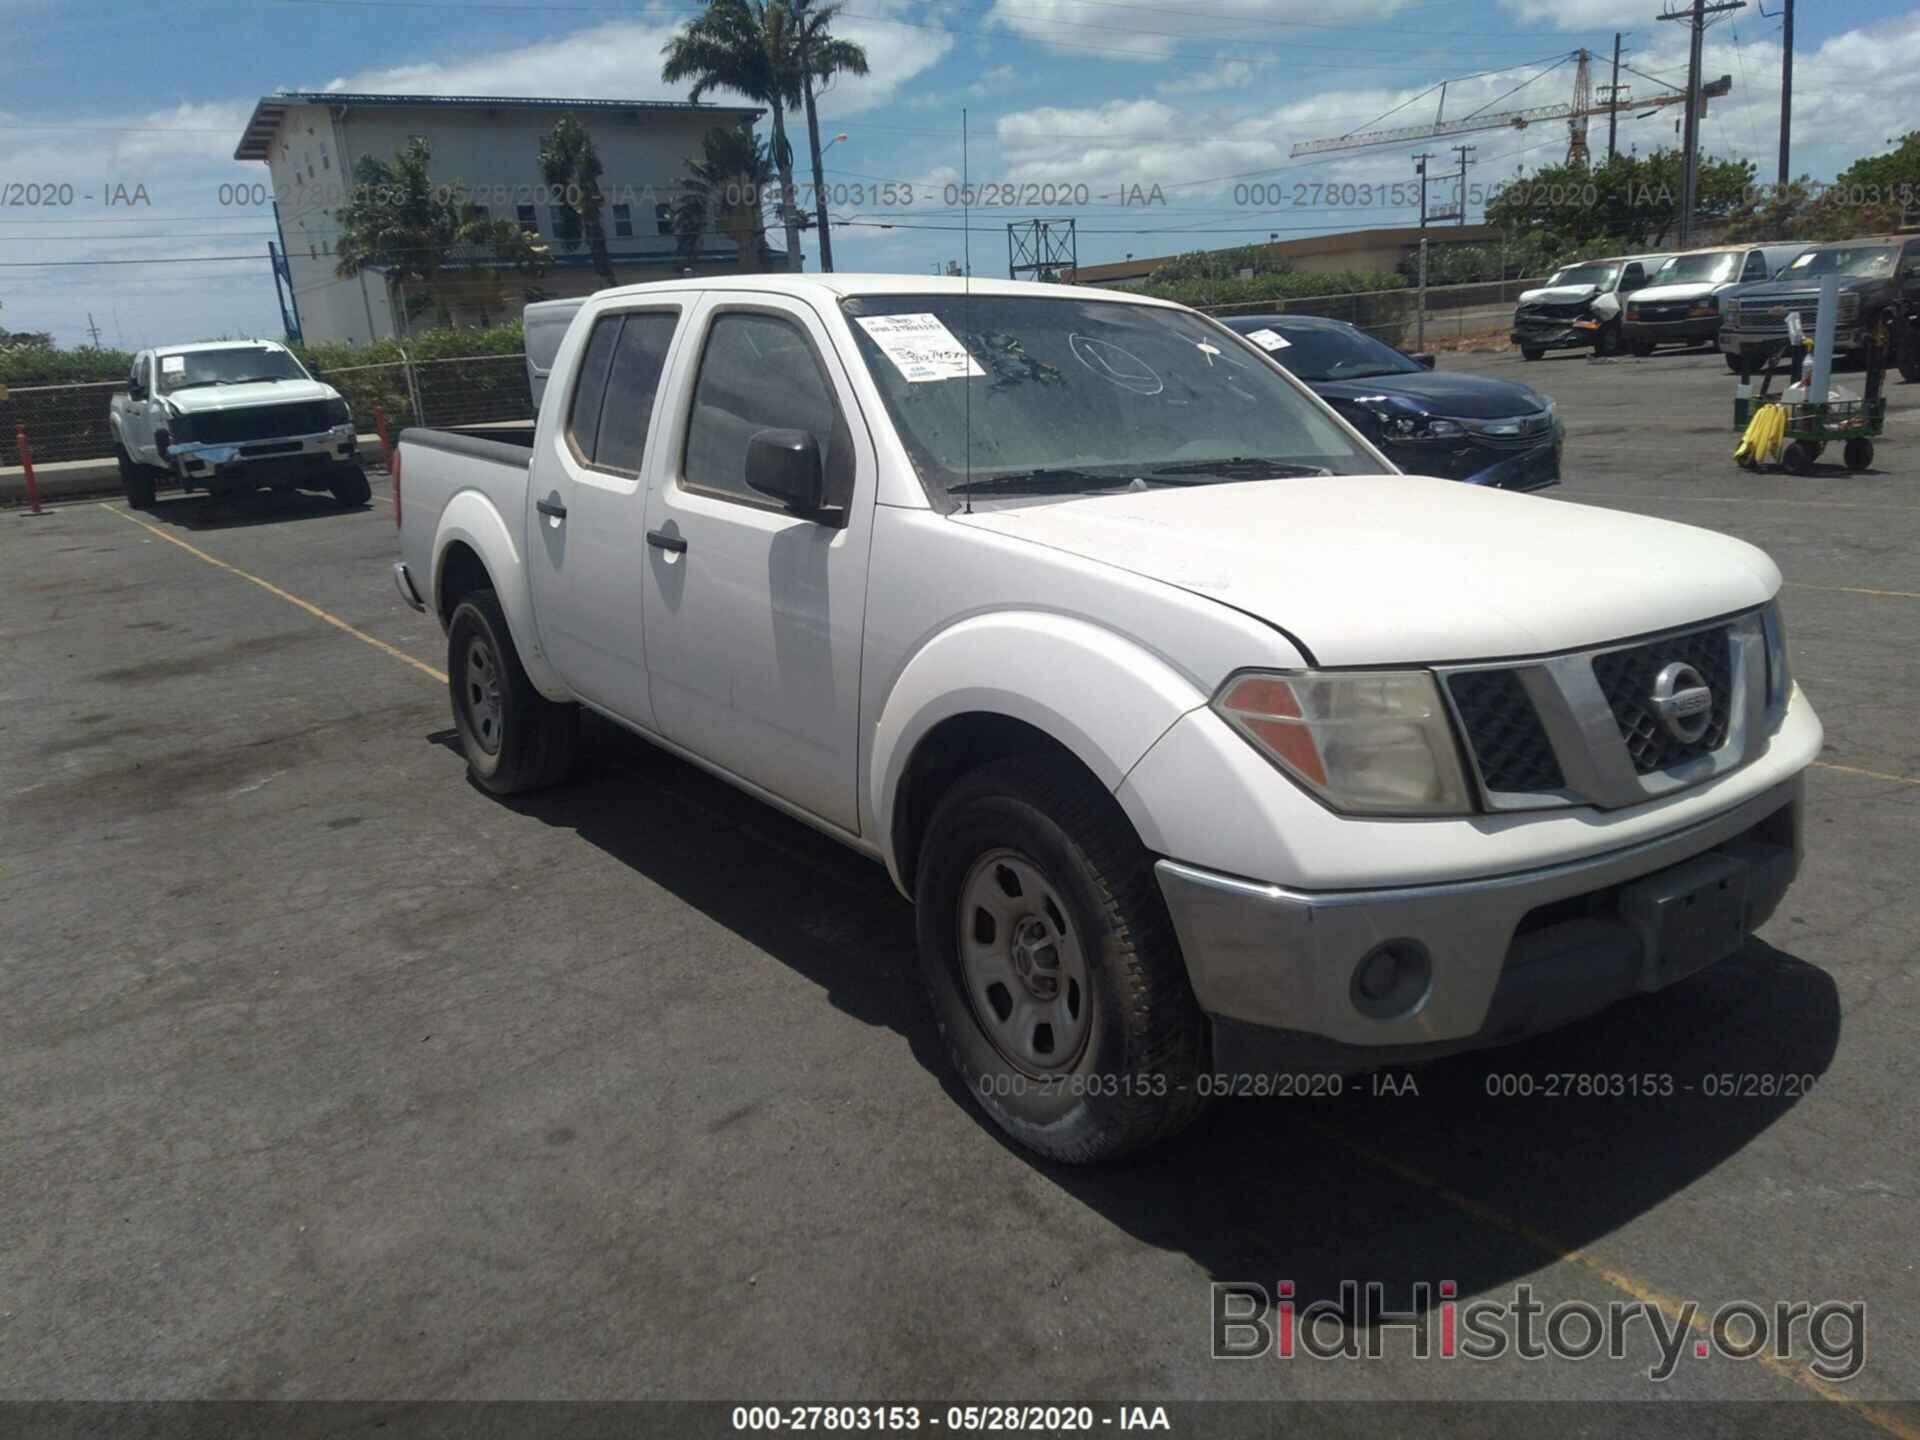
[[722, 192], [570, 165], [821, 58], [746, 46]]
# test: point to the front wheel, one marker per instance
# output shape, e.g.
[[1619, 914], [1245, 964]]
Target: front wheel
[[1052, 965], [1642, 348], [135, 479], [1858, 454], [514, 738], [1798, 458], [1733, 361], [350, 487], [1606, 340], [1528, 352]]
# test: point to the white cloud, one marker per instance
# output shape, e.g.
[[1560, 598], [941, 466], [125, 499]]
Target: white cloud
[[1138, 34], [1223, 74]]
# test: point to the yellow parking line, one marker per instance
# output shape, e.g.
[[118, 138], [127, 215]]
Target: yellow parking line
[[1870, 774], [272, 589], [1676, 1311], [1855, 590]]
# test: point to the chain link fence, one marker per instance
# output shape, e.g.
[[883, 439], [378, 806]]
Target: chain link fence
[[1408, 318], [69, 422]]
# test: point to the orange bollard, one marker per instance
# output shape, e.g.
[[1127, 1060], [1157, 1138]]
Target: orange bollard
[[26, 464], [386, 436]]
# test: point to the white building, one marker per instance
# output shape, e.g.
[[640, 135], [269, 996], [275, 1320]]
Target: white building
[[488, 149]]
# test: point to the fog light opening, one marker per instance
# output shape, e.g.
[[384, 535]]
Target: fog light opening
[[1392, 980]]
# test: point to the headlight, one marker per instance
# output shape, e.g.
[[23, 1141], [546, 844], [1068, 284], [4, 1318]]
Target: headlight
[[1375, 742], [1395, 426], [179, 427], [339, 413], [1779, 677]]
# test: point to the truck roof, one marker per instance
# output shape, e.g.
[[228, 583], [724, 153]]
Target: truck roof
[[836, 286], [233, 344]]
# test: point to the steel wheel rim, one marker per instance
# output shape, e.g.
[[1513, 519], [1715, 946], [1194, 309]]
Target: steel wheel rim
[[480, 693], [1023, 965]]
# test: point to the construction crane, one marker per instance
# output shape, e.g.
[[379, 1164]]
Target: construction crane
[[1575, 112]]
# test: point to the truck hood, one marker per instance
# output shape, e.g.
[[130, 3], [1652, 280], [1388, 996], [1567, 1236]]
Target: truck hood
[[1402, 569], [204, 399], [1559, 294], [1687, 290], [1804, 290]]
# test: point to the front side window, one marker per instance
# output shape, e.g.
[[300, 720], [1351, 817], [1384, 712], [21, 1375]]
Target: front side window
[[1084, 395], [235, 365], [1756, 267], [759, 372]]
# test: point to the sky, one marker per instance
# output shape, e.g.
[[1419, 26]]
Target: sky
[[1159, 127]]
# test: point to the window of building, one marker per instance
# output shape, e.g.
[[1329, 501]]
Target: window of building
[[482, 213], [759, 372], [623, 222], [663, 219], [527, 218]]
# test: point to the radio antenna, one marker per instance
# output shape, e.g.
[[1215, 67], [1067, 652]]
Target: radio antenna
[[966, 303]]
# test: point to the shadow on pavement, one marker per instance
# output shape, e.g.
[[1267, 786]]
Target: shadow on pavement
[[259, 507], [1315, 1191]]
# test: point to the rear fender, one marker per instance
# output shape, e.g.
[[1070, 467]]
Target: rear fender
[[472, 519]]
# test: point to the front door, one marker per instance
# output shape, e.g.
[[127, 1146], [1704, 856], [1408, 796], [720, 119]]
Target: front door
[[587, 510], [755, 615]]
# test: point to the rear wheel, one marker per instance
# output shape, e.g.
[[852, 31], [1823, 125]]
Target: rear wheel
[[350, 487], [514, 738], [1858, 454], [1798, 458], [1052, 966], [135, 479], [1606, 340]]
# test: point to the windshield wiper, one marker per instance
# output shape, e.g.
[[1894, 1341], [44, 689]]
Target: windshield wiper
[[1244, 467], [1040, 482], [253, 380], [192, 384]]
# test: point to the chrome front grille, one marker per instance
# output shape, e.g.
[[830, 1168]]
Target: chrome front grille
[[1584, 728], [1766, 314]]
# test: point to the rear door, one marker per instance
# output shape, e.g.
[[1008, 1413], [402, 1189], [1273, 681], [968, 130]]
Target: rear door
[[586, 503], [755, 614]]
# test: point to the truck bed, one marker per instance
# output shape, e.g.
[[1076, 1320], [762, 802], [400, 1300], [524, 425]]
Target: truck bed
[[485, 478]]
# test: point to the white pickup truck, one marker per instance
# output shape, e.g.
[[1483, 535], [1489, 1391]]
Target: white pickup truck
[[1209, 748], [229, 416]]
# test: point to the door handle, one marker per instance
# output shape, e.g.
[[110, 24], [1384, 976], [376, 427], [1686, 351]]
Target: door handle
[[552, 508], [660, 540]]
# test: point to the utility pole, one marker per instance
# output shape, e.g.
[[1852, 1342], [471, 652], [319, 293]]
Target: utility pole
[[1466, 153], [93, 330], [1613, 99], [1420, 169], [1786, 93], [1696, 18]]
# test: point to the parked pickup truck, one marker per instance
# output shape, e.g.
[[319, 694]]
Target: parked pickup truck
[[1208, 746], [1879, 297], [232, 416]]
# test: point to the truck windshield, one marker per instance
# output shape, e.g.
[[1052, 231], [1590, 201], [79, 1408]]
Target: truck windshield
[[1857, 260], [1071, 395], [1600, 273], [1698, 269], [232, 366]]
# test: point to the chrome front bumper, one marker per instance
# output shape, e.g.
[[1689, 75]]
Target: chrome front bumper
[[196, 460], [1508, 955]]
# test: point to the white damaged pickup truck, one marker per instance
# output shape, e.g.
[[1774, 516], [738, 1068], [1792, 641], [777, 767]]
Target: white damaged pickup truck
[[1206, 744], [231, 416]]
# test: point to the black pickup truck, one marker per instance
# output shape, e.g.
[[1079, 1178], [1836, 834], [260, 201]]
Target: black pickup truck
[[1879, 280]]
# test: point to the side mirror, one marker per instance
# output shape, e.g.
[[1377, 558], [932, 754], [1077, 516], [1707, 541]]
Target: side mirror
[[786, 465], [1424, 361]]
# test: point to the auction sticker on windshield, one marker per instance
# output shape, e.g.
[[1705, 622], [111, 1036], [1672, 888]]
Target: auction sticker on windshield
[[920, 347], [172, 364], [1268, 339]]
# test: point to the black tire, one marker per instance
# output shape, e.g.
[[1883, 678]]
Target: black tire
[[135, 479], [1642, 348], [514, 738], [1733, 361], [1606, 340], [1798, 458], [1909, 354], [1132, 1078], [1527, 352], [350, 486], [1858, 454]]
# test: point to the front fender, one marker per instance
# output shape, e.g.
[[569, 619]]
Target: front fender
[[472, 519], [1097, 693]]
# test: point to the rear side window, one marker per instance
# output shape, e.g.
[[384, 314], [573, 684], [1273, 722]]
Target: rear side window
[[590, 388], [760, 373], [634, 379]]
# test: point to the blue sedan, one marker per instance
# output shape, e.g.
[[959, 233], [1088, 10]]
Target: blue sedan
[[1471, 428]]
